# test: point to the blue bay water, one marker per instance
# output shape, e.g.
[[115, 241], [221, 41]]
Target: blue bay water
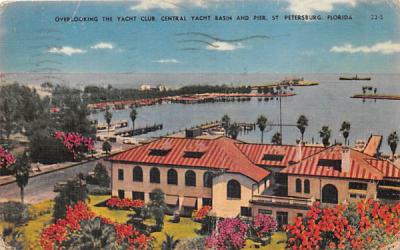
[[326, 104]]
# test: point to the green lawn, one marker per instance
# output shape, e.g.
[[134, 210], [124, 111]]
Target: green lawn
[[120, 216], [278, 241], [186, 228]]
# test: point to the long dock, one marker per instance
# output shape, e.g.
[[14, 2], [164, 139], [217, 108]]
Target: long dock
[[379, 97], [138, 131]]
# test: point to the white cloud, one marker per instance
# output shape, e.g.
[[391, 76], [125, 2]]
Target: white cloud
[[224, 46], [66, 50], [171, 4], [102, 45], [311, 6], [172, 60], [385, 48]]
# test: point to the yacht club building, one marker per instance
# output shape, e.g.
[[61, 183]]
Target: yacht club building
[[238, 178]]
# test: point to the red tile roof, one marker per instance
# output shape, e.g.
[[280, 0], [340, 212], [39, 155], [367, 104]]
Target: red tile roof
[[388, 169], [220, 153], [291, 153], [360, 166]]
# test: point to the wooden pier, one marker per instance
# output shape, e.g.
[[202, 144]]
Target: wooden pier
[[138, 131], [377, 97]]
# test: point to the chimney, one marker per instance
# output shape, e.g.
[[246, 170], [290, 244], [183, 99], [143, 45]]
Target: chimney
[[299, 153], [346, 160]]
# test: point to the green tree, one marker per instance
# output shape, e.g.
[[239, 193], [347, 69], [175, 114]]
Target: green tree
[[277, 138], [108, 118], [325, 134], [21, 170], [169, 243], [262, 124], [101, 175], [302, 123], [233, 130], [393, 140], [133, 116], [72, 192], [93, 234], [345, 129], [225, 123], [106, 147], [158, 207]]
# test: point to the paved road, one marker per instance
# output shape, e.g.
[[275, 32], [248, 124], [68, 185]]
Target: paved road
[[41, 187]]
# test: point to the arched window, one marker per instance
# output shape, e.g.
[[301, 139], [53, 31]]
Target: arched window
[[307, 186], [298, 186], [190, 178], [207, 179], [329, 194], [233, 189], [172, 177], [154, 175], [137, 174]]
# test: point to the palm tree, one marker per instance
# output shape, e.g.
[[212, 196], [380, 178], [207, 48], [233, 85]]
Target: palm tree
[[262, 124], [106, 147], [345, 129], [225, 123], [277, 138], [393, 140], [169, 243], [21, 170], [233, 130], [325, 134], [133, 115], [93, 234], [302, 123], [108, 117]]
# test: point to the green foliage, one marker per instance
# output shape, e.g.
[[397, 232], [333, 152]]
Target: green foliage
[[325, 134], [158, 207], [21, 170], [262, 124], [70, 194], [93, 94], [393, 140], [133, 116], [98, 190], [277, 138], [233, 130], [106, 147], [302, 123], [208, 225], [45, 149], [93, 234], [169, 243], [345, 129], [14, 212], [196, 243], [101, 175], [225, 122]]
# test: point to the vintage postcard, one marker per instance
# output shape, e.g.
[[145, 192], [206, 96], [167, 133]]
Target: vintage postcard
[[200, 124]]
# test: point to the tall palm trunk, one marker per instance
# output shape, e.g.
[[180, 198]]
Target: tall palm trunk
[[22, 194], [262, 137]]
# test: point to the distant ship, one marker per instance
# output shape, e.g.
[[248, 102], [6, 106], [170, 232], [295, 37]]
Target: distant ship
[[355, 78]]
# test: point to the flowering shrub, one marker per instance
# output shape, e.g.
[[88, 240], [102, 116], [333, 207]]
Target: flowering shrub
[[55, 235], [118, 203], [202, 213], [75, 142], [6, 158], [230, 234], [369, 225], [264, 225]]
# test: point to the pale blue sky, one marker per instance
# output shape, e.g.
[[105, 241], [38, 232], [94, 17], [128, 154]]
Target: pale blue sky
[[31, 40]]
